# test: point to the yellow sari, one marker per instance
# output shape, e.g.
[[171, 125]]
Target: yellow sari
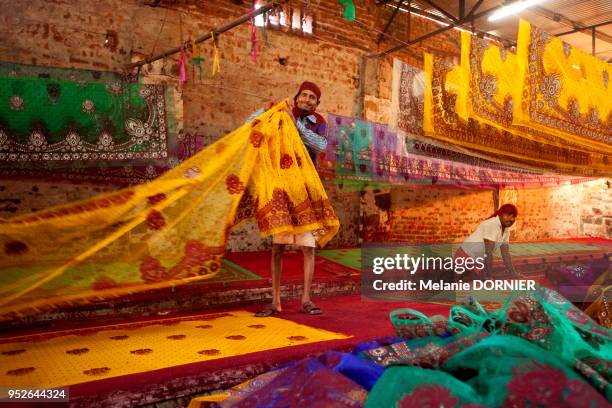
[[170, 231]]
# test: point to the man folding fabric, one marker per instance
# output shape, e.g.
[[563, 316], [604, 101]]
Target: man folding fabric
[[312, 129], [492, 233]]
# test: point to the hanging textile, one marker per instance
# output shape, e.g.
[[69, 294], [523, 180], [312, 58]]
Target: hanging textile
[[182, 66], [407, 99], [431, 150], [349, 9], [170, 231], [388, 152], [407, 111], [385, 157], [565, 91], [84, 126], [55, 115], [488, 85], [442, 122], [216, 66], [349, 146]]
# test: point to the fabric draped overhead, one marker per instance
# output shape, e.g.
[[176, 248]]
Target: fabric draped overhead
[[490, 73], [167, 232], [565, 91], [364, 153], [548, 122]]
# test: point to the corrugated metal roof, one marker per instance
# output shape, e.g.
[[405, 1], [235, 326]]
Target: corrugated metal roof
[[553, 16]]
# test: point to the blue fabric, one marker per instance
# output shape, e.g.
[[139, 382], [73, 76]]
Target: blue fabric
[[377, 343], [363, 372]]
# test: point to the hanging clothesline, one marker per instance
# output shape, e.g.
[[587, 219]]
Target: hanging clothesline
[[215, 31]]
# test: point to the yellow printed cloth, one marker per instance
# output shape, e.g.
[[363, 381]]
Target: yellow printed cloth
[[562, 90], [447, 118], [64, 358], [488, 94], [174, 228]]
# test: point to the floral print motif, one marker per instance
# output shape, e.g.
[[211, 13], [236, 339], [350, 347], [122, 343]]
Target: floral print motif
[[551, 88], [234, 185], [88, 106], [155, 220], [256, 138], [543, 385], [157, 198], [17, 103], [429, 395], [286, 161]]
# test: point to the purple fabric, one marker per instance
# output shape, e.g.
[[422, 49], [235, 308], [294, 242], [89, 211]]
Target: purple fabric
[[575, 281], [391, 160], [320, 128], [306, 384]]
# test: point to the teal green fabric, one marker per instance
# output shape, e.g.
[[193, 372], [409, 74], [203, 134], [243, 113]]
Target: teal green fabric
[[354, 146], [57, 105], [538, 350], [349, 9], [82, 125], [509, 368]]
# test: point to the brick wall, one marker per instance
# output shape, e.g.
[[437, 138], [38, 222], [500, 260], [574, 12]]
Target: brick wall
[[416, 214], [437, 214], [596, 209], [18, 197], [545, 213], [450, 215]]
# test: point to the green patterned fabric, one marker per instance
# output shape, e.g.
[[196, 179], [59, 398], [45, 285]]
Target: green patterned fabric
[[78, 118]]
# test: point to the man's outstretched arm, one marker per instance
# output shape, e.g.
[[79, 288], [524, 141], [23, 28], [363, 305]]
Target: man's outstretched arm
[[311, 138], [505, 252], [489, 248]]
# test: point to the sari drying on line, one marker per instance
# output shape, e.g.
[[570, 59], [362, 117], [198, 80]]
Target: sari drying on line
[[170, 231], [382, 156]]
